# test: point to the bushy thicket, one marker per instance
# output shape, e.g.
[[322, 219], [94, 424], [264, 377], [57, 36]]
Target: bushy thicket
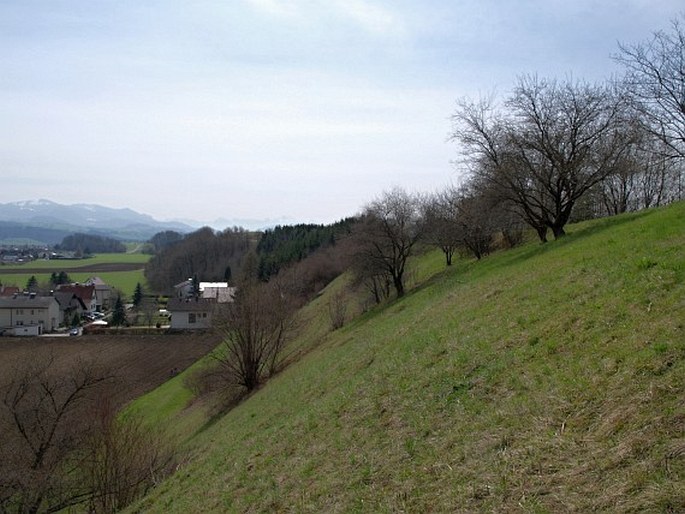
[[206, 254], [163, 239]]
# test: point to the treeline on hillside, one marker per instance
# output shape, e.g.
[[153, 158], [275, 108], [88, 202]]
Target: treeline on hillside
[[205, 254], [557, 150], [89, 243], [163, 239], [217, 256], [288, 244], [551, 152]]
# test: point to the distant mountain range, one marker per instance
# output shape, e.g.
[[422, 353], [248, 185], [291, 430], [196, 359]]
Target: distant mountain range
[[47, 222], [246, 223], [44, 222]]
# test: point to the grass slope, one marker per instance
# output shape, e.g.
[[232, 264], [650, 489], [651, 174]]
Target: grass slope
[[543, 379]]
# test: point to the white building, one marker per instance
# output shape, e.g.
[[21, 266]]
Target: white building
[[28, 314], [191, 313]]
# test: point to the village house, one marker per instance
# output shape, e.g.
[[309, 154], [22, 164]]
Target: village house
[[28, 314], [69, 305], [84, 292], [191, 313], [184, 289], [103, 293], [219, 291]]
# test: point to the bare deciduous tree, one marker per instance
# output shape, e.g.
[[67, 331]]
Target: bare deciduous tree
[[43, 426], [255, 328], [149, 309], [477, 222], [441, 222], [337, 309], [655, 79], [390, 228], [122, 459], [368, 273], [64, 445], [553, 142]]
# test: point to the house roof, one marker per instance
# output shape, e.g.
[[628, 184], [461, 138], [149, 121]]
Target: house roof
[[26, 302], [99, 284], [9, 290], [82, 291], [190, 304], [67, 299], [213, 285], [223, 293]]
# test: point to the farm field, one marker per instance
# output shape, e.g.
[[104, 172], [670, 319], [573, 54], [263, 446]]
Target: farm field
[[140, 363], [120, 270]]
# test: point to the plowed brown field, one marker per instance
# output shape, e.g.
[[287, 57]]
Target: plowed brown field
[[140, 362], [90, 268]]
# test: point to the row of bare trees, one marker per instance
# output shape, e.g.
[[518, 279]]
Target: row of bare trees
[[618, 146], [550, 152], [552, 143], [397, 224]]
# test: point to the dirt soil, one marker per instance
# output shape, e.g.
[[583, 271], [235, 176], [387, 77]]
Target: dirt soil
[[139, 362], [91, 268]]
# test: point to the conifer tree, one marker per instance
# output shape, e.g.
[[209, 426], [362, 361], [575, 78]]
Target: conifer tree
[[32, 284], [119, 313], [137, 295]]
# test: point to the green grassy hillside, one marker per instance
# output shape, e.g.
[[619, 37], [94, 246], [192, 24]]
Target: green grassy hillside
[[548, 378]]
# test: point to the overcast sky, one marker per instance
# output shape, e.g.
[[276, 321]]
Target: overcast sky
[[302, 110]]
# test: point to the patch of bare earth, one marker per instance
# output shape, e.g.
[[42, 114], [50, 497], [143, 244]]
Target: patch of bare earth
[[90, 268], [139, 362]]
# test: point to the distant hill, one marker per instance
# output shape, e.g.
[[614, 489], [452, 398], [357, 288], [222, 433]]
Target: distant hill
[[15, 233], [49, 222]]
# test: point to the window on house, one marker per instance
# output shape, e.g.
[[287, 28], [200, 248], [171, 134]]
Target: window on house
[[191, 317]]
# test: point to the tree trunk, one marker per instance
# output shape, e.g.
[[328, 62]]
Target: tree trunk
[[561, 219], [399, 285], [558, 231]]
